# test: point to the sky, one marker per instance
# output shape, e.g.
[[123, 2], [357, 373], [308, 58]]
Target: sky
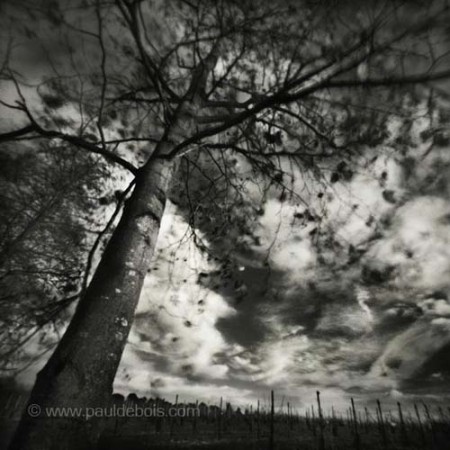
[[374, 325], [364, 313]]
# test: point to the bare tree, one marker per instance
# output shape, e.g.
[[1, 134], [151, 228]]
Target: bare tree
[[148, 84]]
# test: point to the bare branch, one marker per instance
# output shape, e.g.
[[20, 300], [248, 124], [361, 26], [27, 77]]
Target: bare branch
[[390, 81], [12, 135], [74, 140]]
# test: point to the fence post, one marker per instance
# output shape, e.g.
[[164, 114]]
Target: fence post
[[313, 420], [194, 424], [258, 430], [382, 427], [334, 428], [355, 426], [366, 411], [219, 422], [272, 420], [173, 419], [422, 431], [321, 423], [430, 422], [402, 423]]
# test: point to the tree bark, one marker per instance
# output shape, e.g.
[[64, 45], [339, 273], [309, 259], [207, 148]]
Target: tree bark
[[81, 371]]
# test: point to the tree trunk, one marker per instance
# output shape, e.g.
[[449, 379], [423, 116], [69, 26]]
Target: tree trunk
[[81, 371]]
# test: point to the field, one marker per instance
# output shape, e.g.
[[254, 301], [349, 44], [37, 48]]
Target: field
[[218, 427]]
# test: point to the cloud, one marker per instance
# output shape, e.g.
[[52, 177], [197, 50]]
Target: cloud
[[345, 320], [417, 245], [176, 317], [146, 379], [408, 352]]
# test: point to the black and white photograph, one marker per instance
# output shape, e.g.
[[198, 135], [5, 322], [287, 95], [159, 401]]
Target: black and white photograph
[[225, 224]]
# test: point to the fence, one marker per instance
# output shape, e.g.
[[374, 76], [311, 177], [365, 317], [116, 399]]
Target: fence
[[265, 426]]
